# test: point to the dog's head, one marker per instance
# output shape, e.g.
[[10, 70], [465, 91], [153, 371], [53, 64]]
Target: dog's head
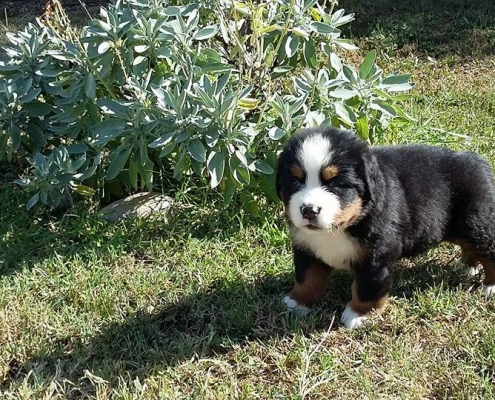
[[323, 180]]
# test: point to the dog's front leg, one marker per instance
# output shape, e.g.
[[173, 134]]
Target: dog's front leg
[[369, 292], [311, 281]]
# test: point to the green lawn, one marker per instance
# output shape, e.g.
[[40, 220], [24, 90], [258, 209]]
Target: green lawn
[[191, 307]]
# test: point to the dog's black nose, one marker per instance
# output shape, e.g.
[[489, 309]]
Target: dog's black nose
[[310, 211]]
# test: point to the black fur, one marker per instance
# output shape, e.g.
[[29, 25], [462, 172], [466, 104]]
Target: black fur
[[414, 197]]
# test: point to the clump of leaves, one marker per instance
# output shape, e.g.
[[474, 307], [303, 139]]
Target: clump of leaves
[[211, 88]]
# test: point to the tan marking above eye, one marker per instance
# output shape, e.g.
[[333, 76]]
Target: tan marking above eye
[[297, 172], [329, 172]]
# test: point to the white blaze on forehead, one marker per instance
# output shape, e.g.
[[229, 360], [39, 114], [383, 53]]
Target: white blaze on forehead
[[314, 154]]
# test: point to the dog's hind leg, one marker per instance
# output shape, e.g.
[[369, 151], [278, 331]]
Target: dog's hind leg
[[469, 260], [484, 253], [489, 281]]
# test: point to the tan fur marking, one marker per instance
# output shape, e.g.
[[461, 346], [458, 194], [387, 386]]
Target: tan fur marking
[[471, 257], [313, 287], [349, 214], [329, 172], [364, 307], [297, 172], [468, 255], [468, 259], [489, 268]]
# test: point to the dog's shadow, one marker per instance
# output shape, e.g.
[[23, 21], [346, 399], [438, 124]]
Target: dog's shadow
[[211, 322]]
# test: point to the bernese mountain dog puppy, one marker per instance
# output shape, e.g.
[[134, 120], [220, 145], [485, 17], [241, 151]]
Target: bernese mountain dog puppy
[[354, 207]]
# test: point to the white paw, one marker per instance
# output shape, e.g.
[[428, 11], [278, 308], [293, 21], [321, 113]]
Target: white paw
[[474, 271], [469, 270], [351, 319], [295, 307], [489, 290]]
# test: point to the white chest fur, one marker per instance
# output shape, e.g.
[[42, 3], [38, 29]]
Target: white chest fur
[[336, 249]]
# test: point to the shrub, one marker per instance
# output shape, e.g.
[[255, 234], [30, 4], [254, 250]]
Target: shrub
[[206, 90]]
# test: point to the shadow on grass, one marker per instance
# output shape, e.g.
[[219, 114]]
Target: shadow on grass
[[209, 323], [438, 28], [204, 325], [224, 315]]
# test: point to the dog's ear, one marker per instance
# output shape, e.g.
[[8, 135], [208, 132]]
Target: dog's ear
[[375, 183]]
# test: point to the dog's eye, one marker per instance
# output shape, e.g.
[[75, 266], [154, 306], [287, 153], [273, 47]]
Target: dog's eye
[[296, 181], [341, 184]]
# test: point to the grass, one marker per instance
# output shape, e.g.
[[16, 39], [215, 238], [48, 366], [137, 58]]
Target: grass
[[190, 307], [155, 308]]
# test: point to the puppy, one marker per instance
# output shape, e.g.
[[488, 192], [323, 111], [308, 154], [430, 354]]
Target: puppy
[[353, 207]]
